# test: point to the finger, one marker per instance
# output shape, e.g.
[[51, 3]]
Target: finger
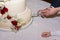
[[46, 14], [42, 13], [39, 11], [42, 10], [42, 16]]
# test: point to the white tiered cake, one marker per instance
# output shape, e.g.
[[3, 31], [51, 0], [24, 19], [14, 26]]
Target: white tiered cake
[[14, 14]]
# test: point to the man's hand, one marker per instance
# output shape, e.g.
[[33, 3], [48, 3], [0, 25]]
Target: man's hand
[[48, 12]]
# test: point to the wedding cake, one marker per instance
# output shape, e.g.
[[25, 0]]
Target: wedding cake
[[14, 14]]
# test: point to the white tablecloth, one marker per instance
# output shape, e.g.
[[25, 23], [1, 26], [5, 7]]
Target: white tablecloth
[[34, 30], [39, 25]]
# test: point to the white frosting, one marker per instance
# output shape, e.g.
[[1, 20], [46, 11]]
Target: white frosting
[[17, 10], [24, 16], [1, 5], [15, 6]]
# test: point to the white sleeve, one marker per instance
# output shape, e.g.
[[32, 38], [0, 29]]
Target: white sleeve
[[56, 33]]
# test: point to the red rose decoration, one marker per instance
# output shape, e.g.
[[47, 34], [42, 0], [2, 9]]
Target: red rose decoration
[[2, 12], [8, 17], [17, 27], [14, 22], [5, 9]]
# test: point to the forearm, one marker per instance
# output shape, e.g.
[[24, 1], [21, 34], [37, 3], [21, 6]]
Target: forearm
[[55, 3]]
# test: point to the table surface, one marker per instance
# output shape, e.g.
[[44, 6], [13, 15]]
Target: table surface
[[34, 30]]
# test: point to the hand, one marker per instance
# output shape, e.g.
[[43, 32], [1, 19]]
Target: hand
[[46, 34], [48, 12]]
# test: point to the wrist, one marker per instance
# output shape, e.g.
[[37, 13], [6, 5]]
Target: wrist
[[57, 9]]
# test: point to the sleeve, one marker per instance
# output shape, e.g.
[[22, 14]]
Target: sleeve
[[56, 33], [55, 3]]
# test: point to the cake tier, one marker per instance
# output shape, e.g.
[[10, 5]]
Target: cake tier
[[23, 18], [15, 6]]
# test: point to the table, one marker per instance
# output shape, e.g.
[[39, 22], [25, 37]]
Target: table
[[34, 30], [39, 25]]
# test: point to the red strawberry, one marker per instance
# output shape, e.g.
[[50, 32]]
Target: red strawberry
[[8, 17], [14, 22], [17, 27], [5, 9], [2, 12]]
